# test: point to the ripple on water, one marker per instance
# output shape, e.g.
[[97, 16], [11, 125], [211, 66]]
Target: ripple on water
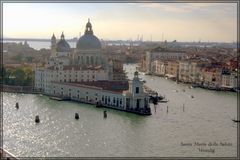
[[206, 117]]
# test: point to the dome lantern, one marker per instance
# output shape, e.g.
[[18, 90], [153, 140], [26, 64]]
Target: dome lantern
[[88, 29], [88, 40], [62, 36]]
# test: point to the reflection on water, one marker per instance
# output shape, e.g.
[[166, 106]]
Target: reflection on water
[[206, 118]]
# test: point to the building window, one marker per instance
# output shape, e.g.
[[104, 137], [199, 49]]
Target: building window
[[105, 99], [137, 90]]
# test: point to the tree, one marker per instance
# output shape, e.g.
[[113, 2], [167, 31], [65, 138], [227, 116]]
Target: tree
[[20, 76]]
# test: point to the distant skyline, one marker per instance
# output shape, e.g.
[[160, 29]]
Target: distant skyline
[[214, 22]]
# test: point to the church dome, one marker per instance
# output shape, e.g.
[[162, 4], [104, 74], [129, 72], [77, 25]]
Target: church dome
[[88, 40], [62, 45]]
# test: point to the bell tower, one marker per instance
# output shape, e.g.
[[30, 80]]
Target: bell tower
[[53, 45], [139, 99], [136, 86]]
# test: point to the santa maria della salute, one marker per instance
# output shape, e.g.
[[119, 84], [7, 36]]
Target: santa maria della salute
[[87, 75]]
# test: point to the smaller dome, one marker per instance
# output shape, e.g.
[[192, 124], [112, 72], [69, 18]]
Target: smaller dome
[[62, 45]]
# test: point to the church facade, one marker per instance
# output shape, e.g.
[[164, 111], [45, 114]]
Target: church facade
[[86, 75]]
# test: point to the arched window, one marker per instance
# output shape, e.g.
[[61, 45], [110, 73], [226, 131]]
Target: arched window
[[87, 60], [92, 62], [81, 59]]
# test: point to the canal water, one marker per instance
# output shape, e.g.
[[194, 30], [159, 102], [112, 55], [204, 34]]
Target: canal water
[[172, 132]]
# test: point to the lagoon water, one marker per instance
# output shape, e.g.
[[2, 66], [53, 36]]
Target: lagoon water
[[206, 119]]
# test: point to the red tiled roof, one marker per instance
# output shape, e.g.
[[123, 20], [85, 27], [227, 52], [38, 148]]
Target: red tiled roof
[[82, 67], [70, 67], [113, 86]]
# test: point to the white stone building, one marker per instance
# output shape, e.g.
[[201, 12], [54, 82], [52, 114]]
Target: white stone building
[[229, 80], [87, 75], [85, 63]]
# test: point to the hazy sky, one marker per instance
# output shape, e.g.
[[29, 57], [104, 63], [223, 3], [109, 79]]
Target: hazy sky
[[180, 21]]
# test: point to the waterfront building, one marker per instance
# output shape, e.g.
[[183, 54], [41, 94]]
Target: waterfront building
[[234, 79], [87, 75], [226, 77], [212, 76], [159, 67], [184, 71], [119, 95], [229, 79], [172, 69], [190, 71], [163, 54]]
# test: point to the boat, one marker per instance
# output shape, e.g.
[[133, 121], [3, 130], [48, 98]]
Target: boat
[[99, 104], [17, 105], [163, 101], [105, 114], [37, 120], [76, 116], [59, 98], [236, 89], [195, 85], [234, 120]]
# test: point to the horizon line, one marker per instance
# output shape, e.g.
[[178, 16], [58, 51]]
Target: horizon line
[[73, 39]]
